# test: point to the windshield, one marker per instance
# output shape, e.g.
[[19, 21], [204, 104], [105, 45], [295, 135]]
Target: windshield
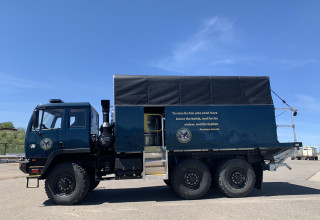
[[49, 119]]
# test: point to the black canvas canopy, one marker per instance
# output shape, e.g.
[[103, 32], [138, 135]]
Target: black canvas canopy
[[191, 90]]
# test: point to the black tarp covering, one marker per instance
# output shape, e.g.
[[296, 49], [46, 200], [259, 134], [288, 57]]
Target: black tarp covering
[[191, 90]]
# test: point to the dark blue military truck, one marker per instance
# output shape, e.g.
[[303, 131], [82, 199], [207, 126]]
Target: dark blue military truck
[[193, 132]]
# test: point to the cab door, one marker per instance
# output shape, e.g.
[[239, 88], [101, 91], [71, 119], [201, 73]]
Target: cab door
[[49, 136], [78, 128]]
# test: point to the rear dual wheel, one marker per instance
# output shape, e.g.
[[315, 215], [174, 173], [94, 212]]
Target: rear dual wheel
[[191, 179], [235, 178]]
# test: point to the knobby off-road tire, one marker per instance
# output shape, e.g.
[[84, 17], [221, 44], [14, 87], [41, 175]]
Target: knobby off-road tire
[[235, 178], [191, 179], [67, 183]]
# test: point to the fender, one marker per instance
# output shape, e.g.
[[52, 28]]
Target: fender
[[58, 153]]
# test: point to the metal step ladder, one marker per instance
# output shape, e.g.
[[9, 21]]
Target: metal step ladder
[[155, 163]]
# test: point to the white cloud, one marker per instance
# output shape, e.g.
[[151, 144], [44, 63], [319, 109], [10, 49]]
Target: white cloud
[[207, 47], [216, 46], [226, 61], [9, 83], [308, 102], [291, 64], [6, 80]]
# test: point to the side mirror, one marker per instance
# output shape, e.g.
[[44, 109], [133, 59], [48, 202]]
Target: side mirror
[[35, 119]]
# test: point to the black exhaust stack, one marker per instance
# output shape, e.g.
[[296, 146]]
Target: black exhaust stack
[[106, 136], [105, 111]]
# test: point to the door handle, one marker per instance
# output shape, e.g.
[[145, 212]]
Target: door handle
[[61, 145]]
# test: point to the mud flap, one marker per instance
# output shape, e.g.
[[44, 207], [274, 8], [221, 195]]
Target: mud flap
[[258, 170]]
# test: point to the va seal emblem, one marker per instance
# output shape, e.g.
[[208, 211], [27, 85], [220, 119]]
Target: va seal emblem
[[184, 135], [46, 143]]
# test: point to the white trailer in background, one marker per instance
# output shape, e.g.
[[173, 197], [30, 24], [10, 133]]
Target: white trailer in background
[[310, 153], [306, 153]]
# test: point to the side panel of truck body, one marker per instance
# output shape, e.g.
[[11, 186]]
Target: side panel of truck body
[[209, 127], [220, 127]]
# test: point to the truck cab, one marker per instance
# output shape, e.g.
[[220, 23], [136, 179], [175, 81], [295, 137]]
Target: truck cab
[[59, 127]]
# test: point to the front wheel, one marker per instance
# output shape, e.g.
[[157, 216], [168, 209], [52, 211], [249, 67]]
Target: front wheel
[[67, 183], [235, 178], [191, 179]]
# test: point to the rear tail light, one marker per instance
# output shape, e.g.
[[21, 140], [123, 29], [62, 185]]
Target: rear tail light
[[35, 170]]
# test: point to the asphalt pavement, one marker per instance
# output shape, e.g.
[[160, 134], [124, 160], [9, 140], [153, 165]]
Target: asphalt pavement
[[286, 194]]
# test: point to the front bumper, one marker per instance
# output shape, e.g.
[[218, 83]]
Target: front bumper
[[23, 166]]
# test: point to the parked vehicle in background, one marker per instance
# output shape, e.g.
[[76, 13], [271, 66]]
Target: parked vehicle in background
[[306, 153]]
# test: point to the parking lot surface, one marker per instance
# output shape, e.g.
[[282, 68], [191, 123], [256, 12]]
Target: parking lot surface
[[286, 194]]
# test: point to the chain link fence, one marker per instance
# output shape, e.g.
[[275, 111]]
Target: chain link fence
[[11, 148]]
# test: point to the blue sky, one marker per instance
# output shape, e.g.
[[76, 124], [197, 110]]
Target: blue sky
[[71, 49]]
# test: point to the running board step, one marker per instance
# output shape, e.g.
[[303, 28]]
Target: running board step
[[33, 177], [153, 156], [155, 164], [155, 170], [159, 176]]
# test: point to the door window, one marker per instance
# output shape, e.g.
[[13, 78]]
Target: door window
[[94, 122], [77, 118]]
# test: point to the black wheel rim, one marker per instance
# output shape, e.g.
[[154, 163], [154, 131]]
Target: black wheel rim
[[238, 178], [65, 184], [192, 178]]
